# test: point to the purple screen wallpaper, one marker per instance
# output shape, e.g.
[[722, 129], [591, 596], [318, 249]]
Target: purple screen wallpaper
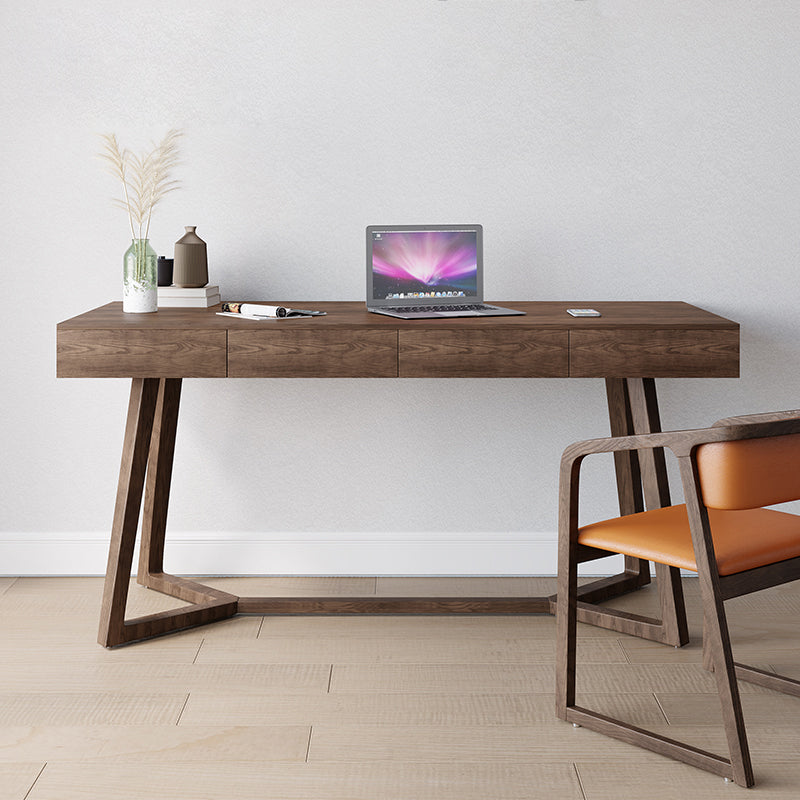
[[424, 264]]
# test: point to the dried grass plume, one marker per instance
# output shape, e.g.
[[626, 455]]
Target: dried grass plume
[[145, 178]]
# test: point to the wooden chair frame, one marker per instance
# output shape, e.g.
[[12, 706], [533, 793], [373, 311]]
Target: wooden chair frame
[[714, 589]]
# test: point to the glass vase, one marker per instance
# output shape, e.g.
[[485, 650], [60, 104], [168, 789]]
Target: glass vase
[[139, 278]]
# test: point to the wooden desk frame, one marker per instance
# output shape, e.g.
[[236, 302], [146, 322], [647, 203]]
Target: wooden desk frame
[[664, 339]]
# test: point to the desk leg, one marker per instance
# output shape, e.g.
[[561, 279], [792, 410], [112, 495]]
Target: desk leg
[[641, 481], [655, 484], [146, 468], [159, 479], [627, 466], [147, 452]]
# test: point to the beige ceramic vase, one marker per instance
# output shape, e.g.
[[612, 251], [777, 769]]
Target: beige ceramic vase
[[191, 261]]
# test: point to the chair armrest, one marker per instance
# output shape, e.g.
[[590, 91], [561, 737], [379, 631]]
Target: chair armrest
[[615, 444], [572, 458], [682, 443]]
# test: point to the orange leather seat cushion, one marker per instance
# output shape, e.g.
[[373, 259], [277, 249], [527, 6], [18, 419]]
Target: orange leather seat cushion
[[742, 539]]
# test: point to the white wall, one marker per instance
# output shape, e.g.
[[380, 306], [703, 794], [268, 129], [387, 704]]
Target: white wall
[[612, 149]]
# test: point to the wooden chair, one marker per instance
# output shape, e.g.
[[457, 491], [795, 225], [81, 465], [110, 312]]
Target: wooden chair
[[723, 532]]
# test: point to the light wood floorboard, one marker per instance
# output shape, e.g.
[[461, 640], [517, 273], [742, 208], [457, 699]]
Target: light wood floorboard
[[403, 709], [379, 708], [153, 743], [234, 780], [536, 626], [551, 742], [447, 743], [765, 708], [394, 650], [90, 708], [539, 678], [156, 677]]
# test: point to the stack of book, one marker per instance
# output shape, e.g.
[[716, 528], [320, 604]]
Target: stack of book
[[203, 297]]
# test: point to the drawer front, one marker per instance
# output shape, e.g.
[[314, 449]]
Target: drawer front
[[312, 354], [484, 353], [141, 354], [664, 353]]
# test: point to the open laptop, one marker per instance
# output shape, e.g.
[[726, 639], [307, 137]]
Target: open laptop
[[427, 271]]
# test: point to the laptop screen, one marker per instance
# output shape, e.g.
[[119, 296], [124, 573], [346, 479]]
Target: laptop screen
[[425, 263]]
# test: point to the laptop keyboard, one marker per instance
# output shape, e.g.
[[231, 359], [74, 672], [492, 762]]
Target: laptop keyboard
[[434, 309]]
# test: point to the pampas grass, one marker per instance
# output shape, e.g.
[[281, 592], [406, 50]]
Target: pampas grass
[[145, 178]]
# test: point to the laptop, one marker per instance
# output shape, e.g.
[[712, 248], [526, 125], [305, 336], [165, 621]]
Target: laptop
[[427, 271]]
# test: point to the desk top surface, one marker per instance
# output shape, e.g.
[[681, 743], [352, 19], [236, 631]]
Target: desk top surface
[[630, 339], [538, 314]]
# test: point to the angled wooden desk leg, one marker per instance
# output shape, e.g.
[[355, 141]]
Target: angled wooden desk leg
[[159, 480], [627, 467], [655, 485], [641, 479], [147, 451]]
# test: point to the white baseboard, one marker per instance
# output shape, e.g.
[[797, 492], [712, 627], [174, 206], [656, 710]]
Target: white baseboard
[[313, 554]]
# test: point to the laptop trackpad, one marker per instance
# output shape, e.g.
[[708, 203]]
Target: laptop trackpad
[[457, 314]]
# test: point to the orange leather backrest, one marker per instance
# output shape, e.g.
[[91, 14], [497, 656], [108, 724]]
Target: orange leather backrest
[[750, 473]]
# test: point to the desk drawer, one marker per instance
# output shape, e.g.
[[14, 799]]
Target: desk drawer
[[312, 353], [660, 353], [140, 353], [482, 353]]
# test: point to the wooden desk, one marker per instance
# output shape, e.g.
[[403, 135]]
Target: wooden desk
[[630, 345]]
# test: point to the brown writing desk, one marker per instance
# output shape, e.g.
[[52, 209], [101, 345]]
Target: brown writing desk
[[629, 346]]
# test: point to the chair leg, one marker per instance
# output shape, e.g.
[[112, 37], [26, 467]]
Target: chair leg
[[717, 640], [566, 626], [708, 656], [716, 637]]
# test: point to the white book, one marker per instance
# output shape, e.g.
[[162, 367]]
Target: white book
[[189, 302], [187, 291]]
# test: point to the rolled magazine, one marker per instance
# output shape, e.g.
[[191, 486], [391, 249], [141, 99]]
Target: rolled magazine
[[259, 310]]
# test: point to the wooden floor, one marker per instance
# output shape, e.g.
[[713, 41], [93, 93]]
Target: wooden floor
[[344, 708]]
